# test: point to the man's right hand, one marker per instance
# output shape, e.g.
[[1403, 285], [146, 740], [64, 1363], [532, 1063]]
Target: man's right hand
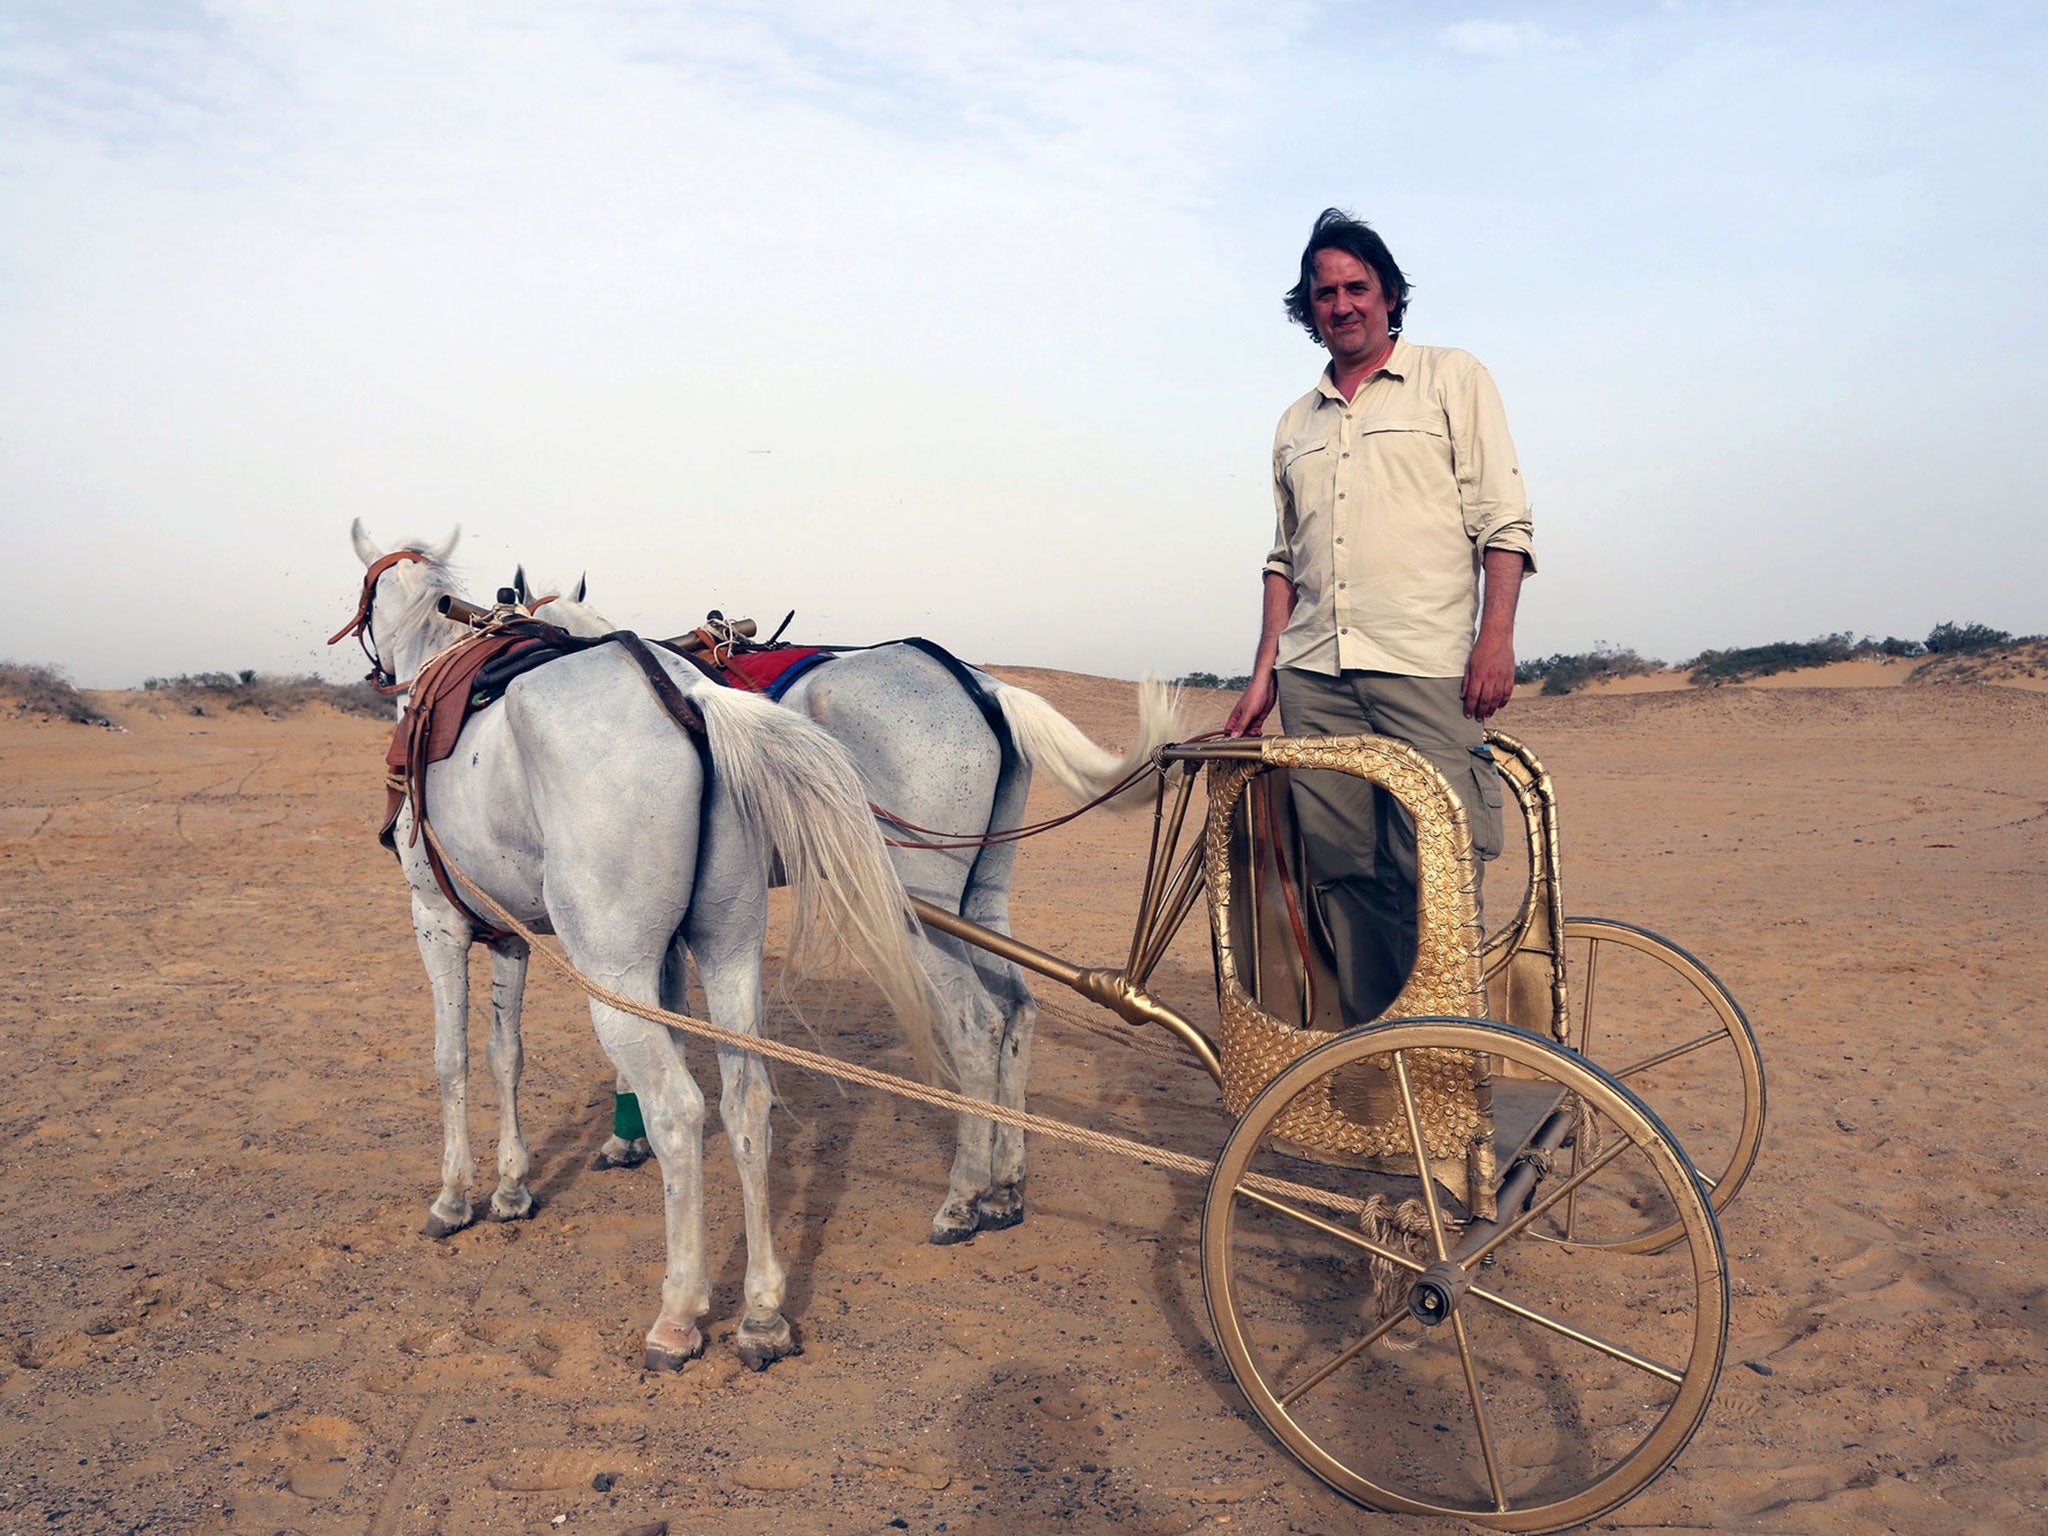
[[1250, 711]]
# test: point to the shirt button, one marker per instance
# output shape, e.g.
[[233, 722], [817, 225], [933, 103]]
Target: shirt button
[[1340, 495], [1346, 456], [1340, 538]]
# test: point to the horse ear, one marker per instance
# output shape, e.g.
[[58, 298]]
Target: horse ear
[[366, 547], [522, 593], [440, 553], [582, 584]]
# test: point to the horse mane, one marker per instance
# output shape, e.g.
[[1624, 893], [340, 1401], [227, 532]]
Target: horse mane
[[418, 622]]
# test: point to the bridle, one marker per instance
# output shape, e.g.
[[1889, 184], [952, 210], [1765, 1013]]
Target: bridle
[[379, 676]]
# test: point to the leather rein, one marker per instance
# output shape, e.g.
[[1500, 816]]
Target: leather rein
[[379, 676]]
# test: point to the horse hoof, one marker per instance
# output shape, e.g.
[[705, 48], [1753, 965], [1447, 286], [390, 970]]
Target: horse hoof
[[516, 1213], [999, 1214], [944, 1234], [437, 1229], [631, 1154], [666, 1357], [761, 1348]]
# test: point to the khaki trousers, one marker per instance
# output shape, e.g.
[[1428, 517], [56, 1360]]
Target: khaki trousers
[[1358, 845]]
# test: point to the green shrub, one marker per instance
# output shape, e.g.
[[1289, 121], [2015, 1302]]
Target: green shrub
[[1739, 665], [1565, 671], [1211, 680], [1949, 639]]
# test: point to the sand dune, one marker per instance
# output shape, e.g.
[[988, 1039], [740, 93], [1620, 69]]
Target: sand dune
[[221, 1135]]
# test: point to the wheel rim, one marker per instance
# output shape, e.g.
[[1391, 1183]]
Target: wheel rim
[[1661, 1022], [1562, 1380]]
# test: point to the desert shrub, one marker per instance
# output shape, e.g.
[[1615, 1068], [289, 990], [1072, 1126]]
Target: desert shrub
[[1211, 680], [1892, 645], [45, 691], [250, 689], [1565, 671], [1739, 665], [1949, 639]]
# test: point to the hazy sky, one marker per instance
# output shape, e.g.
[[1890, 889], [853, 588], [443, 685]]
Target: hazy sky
[[963, 319]]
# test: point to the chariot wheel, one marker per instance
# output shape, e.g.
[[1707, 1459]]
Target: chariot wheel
[[1662, 1023], [1482, 1372]]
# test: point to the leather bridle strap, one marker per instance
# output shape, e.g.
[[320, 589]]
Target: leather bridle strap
[[371, 577]]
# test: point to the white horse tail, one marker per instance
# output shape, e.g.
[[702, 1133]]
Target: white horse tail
[[798, 792], [1049, 740]]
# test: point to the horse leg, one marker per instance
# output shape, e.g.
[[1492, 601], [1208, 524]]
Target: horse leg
[[987, 901], [444, 950], [512, 1200], [626, 1147], [731, 972], [651, 1062], [973, 1035], [1003, 1205]]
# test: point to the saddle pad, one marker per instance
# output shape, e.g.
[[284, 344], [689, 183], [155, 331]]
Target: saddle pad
[[772, 672], [433, 719]]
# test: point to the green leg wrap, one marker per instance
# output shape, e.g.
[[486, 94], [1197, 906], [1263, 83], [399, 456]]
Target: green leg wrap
[[626, 1122]]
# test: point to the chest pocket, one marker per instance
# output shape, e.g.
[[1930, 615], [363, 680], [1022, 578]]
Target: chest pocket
[[1309, 471], [1409, 455]]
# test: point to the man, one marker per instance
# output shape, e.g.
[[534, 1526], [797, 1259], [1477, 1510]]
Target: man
[[1397, 491]]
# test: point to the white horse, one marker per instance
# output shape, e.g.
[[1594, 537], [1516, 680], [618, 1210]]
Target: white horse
[[930, 756], [580, 805]]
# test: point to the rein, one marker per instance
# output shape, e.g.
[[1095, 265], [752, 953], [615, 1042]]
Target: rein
[[1032, 829], [379, 676]]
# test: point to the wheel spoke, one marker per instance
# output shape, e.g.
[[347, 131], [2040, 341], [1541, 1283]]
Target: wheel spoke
[[1342, 1358], [1436, 1216], [1606, 1347], [1673, 1054], [1586, 1009], [1564, 1191], [1479, 1414], [1330, 1229]]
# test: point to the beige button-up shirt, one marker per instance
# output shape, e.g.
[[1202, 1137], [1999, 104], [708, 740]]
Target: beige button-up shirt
[[1386, 504]]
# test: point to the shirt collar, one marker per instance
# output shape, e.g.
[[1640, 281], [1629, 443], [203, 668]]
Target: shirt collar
[[1396, 366]]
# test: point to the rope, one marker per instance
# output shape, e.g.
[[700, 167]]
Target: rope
[[1018, 834], [889, 1082], [1405, 1228], [1008, 834]]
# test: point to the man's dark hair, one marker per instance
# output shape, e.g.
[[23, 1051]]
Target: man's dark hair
[[1337, 230]]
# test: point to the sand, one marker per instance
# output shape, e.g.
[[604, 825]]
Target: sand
[[222, 1134]]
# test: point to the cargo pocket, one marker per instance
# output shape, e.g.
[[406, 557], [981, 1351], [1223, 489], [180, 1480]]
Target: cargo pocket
[[1483, 808]]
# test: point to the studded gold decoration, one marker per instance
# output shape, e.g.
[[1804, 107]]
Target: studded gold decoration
[[1357, 1117]]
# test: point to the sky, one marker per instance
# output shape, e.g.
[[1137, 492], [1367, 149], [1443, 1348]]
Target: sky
[[963, 319]]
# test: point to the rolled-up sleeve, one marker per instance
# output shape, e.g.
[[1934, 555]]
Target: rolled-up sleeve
[[1280, 558], [1491, 496]]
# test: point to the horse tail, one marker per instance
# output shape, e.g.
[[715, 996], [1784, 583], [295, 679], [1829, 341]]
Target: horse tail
[[797, 791], [1049, 740]]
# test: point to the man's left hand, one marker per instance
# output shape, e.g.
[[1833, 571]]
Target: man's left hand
[[1489, 677]]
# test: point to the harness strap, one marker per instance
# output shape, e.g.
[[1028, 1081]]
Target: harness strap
[[680, 709], [672, 700], [371, 577], [963, 674]]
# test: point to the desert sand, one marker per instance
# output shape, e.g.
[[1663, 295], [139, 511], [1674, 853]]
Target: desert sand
[[221, 1136]]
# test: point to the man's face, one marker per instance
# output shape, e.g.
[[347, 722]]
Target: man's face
[[1349, 307]]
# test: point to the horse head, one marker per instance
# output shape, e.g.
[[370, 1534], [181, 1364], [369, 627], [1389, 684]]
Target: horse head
[[395, 618]]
